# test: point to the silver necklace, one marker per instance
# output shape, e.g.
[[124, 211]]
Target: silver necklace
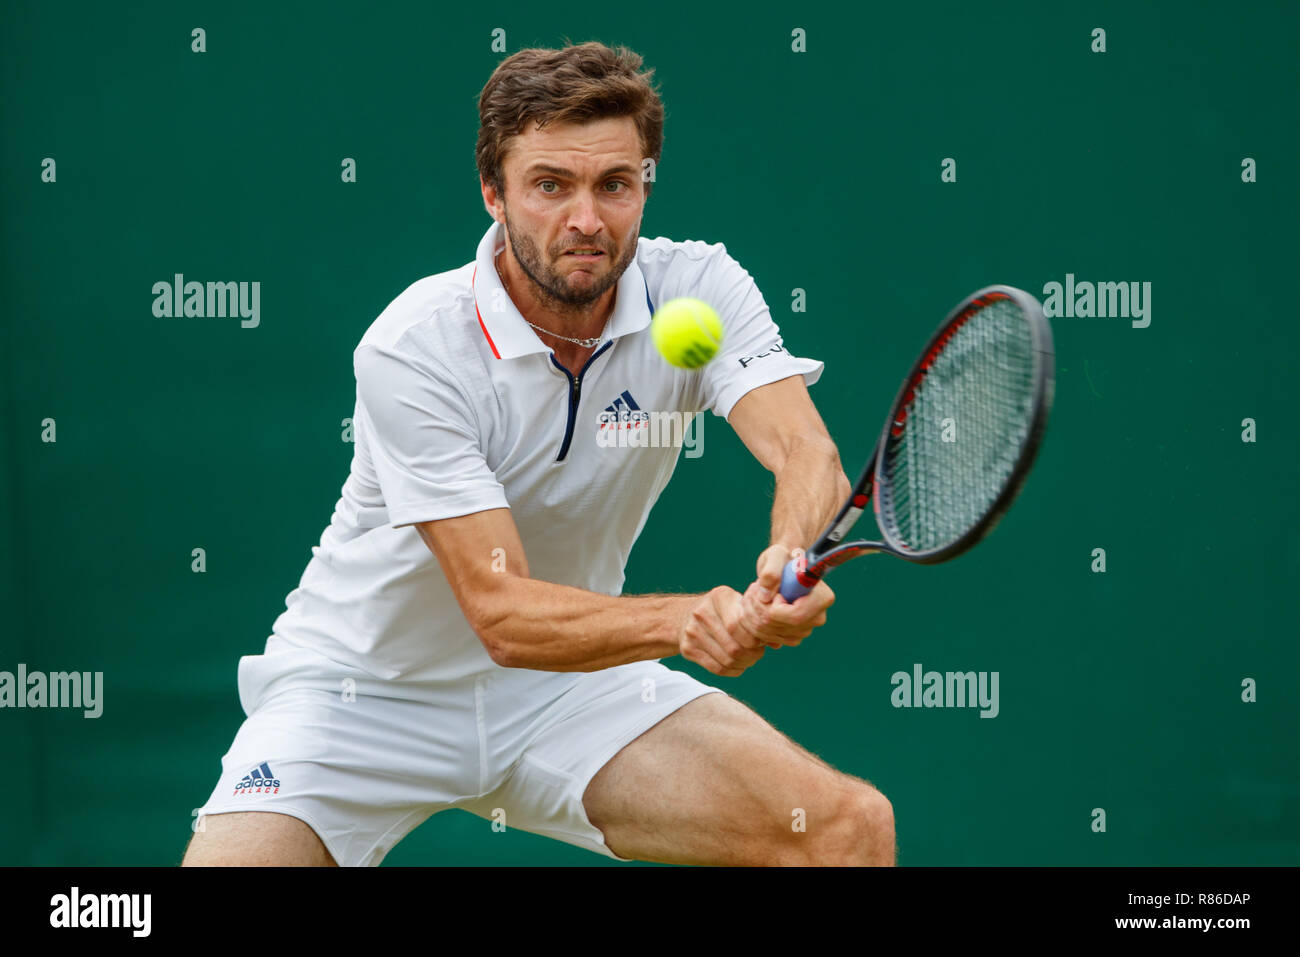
[[585, 343]]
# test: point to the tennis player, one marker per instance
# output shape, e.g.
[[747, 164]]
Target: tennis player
[[459, 638]]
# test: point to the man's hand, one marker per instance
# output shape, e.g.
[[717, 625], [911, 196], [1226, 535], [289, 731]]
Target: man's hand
[[767, 615], [712, 635], [726, 632]]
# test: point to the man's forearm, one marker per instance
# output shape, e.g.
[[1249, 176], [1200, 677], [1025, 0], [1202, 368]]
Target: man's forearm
[[550, 627], [810, 488]]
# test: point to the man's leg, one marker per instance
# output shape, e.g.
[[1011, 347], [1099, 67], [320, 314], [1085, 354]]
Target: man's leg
[[317, 778], [255, 838], [713, 783]]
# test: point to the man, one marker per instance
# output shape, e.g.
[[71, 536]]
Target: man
[[459, 638]]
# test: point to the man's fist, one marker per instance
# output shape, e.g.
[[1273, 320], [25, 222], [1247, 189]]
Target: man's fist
[[713, 637], [770, 617]]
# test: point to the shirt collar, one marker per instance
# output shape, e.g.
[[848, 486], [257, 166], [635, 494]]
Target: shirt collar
[[506, 330]]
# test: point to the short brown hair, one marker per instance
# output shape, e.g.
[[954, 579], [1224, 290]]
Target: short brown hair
[[578, 83]]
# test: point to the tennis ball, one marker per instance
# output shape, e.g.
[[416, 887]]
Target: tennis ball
[[687, 332]]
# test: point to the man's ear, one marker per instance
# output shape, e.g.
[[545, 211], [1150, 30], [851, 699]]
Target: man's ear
[[492, 201]]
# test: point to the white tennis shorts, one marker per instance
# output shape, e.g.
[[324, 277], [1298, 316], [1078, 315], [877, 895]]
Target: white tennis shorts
[[364, 761]]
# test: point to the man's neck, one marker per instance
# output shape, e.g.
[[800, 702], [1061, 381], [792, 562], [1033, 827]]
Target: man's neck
[[557, 319]]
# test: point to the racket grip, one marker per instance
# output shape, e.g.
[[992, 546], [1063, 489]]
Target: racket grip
[[791, 587]]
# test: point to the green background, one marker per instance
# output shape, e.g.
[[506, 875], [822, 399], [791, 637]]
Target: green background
[[819, 171]]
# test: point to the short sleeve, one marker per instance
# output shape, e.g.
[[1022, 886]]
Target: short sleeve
[[423, 437], [753, 353]]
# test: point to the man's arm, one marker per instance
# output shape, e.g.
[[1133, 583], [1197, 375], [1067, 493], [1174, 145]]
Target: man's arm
[[779, 424], [525, 623]]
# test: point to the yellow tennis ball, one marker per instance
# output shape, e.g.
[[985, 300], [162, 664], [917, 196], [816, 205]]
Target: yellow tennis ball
[[687, 332]]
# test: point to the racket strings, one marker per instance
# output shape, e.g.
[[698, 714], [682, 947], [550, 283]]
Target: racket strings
[[963, 432]]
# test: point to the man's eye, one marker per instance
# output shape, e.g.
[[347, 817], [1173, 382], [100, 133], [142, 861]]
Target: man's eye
[[619, 185]]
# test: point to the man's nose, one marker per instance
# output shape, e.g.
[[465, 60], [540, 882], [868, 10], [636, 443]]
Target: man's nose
[[583, 215]]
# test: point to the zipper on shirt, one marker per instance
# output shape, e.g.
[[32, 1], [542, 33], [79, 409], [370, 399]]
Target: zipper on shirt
[[575, 395]]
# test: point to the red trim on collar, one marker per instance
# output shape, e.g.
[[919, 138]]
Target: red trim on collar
[[492, 344]]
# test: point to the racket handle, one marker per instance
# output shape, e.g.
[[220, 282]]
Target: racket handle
[[791, 587]]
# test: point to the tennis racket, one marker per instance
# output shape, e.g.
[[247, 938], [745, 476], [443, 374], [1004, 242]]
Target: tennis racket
[[957, 444]]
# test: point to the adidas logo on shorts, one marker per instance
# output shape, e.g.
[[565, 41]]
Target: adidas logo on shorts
[[260, 780]]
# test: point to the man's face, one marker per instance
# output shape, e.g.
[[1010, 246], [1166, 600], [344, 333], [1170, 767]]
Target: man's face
[[573, 187]]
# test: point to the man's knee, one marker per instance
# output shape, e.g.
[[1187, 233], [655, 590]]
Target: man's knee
[[858, 830], [255, 839]]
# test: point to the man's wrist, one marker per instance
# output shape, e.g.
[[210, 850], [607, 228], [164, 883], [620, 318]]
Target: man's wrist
[[683, 606]]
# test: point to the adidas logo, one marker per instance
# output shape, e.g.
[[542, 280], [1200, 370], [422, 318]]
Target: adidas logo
[[623, 413], [260, 780], [623, 401]]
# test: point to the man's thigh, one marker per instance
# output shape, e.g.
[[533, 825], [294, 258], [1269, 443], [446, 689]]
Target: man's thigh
[[255, 839], [357, 773], [713, 783]]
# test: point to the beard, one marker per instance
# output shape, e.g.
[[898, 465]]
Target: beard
[[551, 286]]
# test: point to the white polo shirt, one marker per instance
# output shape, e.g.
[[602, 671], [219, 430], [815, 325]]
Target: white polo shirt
[[461, 407]]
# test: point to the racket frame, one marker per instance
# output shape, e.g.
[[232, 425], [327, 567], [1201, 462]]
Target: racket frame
[[830, 550]]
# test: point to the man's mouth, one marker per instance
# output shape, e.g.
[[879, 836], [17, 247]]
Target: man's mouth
[[587, 254]]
